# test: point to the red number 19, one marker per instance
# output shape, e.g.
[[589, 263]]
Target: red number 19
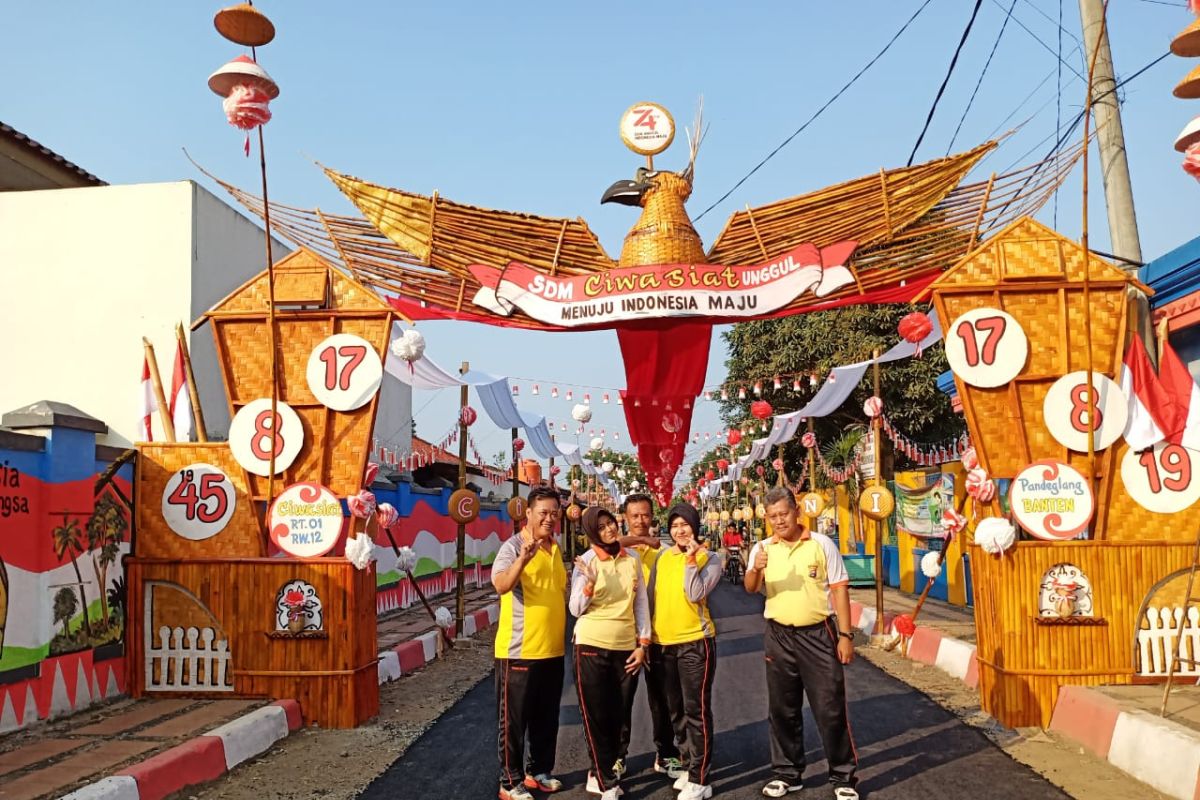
[[1175, 462]]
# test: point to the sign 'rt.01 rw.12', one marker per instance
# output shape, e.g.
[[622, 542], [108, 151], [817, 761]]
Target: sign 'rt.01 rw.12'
[[664, 290]]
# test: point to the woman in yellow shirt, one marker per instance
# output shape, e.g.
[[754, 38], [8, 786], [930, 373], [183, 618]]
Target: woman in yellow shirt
[[684, 649], [611, 636]]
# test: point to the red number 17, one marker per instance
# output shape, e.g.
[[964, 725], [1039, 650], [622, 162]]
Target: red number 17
[[993, 328]]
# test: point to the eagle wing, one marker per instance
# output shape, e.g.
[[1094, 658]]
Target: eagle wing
[[868, 210], [449, 236]]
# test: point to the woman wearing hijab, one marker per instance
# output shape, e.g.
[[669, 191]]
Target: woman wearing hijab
[[612, 634], [684, 649]]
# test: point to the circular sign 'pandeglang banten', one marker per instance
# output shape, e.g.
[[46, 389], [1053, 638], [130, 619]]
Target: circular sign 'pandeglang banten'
[[647, 128], [306, 520], [1052, 500]]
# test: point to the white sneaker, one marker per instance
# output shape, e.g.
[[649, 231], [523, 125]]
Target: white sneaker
[[778, 788], [611, 794], [672, 767], [695, 791], [593, 787], [681, 782]]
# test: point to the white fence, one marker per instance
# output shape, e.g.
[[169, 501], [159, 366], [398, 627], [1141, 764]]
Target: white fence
[[186, 660], [1157, 643]]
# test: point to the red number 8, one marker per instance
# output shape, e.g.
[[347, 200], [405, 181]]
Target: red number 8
[[264, 431], [1079, 409]]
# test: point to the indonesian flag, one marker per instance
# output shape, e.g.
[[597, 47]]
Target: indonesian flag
[[1150, 406], [145, 433], [1183, 425], [180, 403]]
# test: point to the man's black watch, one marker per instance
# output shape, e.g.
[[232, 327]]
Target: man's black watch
[[849, 636]]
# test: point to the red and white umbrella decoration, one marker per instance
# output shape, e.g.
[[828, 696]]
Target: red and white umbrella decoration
[[248, 91]]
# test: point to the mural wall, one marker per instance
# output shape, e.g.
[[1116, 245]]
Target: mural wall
[[64, 529]]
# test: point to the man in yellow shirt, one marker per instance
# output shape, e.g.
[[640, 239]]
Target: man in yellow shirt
[[528, 574], [806, 646]]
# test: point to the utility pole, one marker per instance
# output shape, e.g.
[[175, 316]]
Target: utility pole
[[1110, 137]]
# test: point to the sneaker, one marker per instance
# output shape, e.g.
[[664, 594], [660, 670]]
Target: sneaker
[[517, 792], [593, 787], [543, 783], [681, 782], [695, 791], [611, 794], [844, 792], [619, 767], [780, 788], [673, 767]]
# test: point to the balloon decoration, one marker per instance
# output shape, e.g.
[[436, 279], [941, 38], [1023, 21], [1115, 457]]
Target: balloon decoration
[[761, 409], [873, 407], [581, 413], [734, 438], [914, 327], [468, 416]]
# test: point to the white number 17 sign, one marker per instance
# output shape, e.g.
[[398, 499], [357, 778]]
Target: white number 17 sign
[[986, 347]]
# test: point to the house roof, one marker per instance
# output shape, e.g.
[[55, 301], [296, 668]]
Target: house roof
[[1173, 275], [26, 164]]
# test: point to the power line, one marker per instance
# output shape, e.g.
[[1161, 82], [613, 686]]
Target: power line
[[1048, 48], [979, 82], [820, 110], [1058, 107], [941, 89], [1048, 18]]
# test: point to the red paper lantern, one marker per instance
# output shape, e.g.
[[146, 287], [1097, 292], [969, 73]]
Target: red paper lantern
[[518, 445], [761, 470], [734, 437], [722, 464], [915, 327], [761, 409], [809, 440], [709, 475], [468, 416], [777, 464]]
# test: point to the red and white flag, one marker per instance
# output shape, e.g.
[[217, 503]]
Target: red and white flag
[[149, 406], [1150, 406], [1182, 426], [180, 402]]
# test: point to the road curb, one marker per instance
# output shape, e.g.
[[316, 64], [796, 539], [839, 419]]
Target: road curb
[[407, 657], [1156, 751], [927, 645]]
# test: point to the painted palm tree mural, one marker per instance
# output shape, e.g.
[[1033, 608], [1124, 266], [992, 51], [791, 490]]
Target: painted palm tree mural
[[3, 603], [105, 533], [68, 540]]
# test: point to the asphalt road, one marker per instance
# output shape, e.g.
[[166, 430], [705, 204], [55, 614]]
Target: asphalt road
[[908, 746]]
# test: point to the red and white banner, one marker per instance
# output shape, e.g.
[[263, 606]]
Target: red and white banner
[[149, 406], [180, 402], [664, 290]]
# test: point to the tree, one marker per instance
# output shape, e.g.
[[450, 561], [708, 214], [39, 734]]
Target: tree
[[840, 453], [68, 541], [812, 345], [116, 598], [65, 606], [105, 532]]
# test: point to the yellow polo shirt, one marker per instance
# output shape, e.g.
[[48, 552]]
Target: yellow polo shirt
[[674, 618], [798, 577], [533, 616], [615, 616], [647, 554]]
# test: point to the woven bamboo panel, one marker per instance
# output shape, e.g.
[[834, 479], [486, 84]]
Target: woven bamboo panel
[[1130, 521], [1023, 663], [155, 539], [336, 443], [334, 678]]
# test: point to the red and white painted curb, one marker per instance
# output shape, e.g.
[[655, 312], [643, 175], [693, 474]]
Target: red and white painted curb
[[410, 656], [208, 757], [198, 760], [927, 645], [1156, 751]]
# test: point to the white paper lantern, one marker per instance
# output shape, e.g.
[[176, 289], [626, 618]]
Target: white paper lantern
[[597, 443], [930, 567], [360, 550], [621, 473], [635, 486], [581, 413], [607, 467], [995, 535], [410, 345]]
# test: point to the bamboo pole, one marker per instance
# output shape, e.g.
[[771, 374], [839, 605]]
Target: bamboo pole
[[460, 590], [262, 164], [875, 433], [164, 413], [193, 391], [779, 478]]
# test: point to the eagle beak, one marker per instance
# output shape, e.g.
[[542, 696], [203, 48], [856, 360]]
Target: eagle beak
[[627, 193]]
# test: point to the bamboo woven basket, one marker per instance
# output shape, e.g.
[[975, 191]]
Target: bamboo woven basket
[[325, 302]]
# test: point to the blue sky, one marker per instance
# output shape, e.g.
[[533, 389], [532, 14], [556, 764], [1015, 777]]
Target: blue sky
[[516, 105]]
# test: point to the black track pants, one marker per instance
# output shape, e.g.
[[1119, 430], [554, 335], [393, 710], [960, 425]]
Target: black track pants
[[660, 715], [605, 690], [687, 671], [803, 661], [527, 699]]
